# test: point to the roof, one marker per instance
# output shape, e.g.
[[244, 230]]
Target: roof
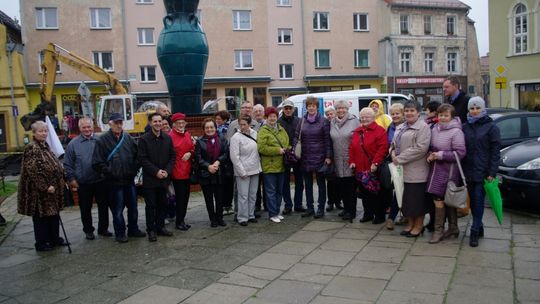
[[7, 21], [446, 4]]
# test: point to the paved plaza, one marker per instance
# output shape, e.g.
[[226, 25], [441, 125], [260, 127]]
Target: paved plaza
[[296, 261]]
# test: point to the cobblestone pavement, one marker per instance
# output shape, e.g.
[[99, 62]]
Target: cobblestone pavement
[[296, 261]]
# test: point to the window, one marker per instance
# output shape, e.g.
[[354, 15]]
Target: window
[[46, 18], [520, 29], [100, 18], [284, 3], [451, 25], [145, 1], [104, 60], [452, 62], [276, 101], [241, 20], [243, 59], [145, 36], [320, 21], [533, 124], [148, 73], [285, 71], [322, 59], [405, 61], [360, 22], [259, 96], [361, 58], [428, 62], [285, 36], [40, 62], [510, 128], [427, 25], [404, 24]]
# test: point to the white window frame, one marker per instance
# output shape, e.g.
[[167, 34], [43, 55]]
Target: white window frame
[[142, 33], [428, 25], [452, 64], [40, 61], [317, 21], [429, 58], [317, 59], [95, 18], [144, 69], [284, 2], [451, 25], [239, 59], [100, 59], [356, 20], [282, 33], [520, 39], [357, 53], [405, 61], [236, 20], [283, 71], [144, 2], [41, 13], [404, 24]]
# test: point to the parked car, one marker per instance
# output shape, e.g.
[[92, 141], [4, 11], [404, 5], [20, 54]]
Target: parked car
[[517, 126], [519, 173], [501, 110]]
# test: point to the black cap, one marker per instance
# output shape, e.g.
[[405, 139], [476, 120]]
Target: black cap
[[116, 117]]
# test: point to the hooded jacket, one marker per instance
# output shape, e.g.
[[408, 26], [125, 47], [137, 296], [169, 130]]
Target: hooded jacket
[[483, 140], [381, 119]]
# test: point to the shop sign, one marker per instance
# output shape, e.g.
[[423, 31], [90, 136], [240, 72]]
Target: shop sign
[[414, 80]]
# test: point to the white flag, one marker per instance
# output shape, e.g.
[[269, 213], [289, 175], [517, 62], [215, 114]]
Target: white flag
[[53, 140]]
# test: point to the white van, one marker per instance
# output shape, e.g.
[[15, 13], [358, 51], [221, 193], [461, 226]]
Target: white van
[[357, 99]]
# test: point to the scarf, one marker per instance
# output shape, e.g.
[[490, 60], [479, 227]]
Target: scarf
[[213, 146], [341, 122], [471, 119], [312, 118]]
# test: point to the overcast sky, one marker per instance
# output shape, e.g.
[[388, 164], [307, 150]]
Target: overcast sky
[[478, 13]]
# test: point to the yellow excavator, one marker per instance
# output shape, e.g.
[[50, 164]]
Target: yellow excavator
[[118, 102]]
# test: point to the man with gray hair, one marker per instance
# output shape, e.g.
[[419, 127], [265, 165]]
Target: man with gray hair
[[84, 180]]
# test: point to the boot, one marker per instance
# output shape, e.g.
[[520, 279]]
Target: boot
[[473, 239], [438, 234], [453, 229]]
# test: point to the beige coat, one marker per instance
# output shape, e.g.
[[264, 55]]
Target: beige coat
[[414, 145]]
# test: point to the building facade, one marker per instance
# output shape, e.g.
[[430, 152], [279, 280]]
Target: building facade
[[515, 53]]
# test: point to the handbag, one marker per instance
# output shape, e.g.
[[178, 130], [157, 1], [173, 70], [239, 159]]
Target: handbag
[[368, 181], [289, 158], [455, 196], [384, 175], [327, 170], [298, 147]]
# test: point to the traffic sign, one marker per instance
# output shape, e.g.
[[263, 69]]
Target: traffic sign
[[501, 70], [500, 83]]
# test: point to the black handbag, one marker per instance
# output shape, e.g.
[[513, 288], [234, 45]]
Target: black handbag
[[384, 175]]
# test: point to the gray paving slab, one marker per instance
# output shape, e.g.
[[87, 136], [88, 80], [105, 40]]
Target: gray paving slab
[[289, 292], [380, 254], [441, 250], [336, 300], [163, 294], [497, 233], [221, 263], [419, 282], [400, 297], [294, 248], [320, 274], [221, 293], [428, 264], [41, 296], [485, 259], [329, 257], [527, 270], [95, 295], [527, 254], [351, 245], [484, 276], [277, 261], [17, 259], [192, 279], [355, 233], [527, 290], [250, 276], [490, 245], [526, 240], [130, 283], [369, 269], [525, 229], [362, 289], [310, 237], [459, 294], [321, 226], [383, 244]]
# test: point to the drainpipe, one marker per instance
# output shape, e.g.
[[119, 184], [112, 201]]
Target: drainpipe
[[10, 47], [303, 41], [126, 76]]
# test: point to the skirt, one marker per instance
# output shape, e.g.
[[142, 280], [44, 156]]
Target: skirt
[[414, 200]]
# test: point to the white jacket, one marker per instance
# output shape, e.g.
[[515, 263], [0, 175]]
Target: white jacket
[[244, 154]]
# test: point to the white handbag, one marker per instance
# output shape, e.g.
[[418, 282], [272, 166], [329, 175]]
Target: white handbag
[[455, 196]]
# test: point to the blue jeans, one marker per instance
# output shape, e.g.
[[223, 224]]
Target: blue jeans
[[273, 190], [120, 197], [477, 195], [308, 180], [298, 187]]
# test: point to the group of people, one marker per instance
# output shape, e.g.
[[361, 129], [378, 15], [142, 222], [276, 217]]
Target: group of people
[[246, 165]]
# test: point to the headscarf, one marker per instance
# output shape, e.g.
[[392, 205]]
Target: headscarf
[[380, 118], [213, 146]]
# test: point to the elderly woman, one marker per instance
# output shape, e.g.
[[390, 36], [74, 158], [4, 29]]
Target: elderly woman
[[212, 158], [41, 189], [272, 143], [330, 113], [446, 138], [222, 121], [247, 166], [396, 112], [483, 140], [368, 149], [409, 148], [341, 130], [314, 134]]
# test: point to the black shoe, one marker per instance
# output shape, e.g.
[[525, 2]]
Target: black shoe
[[137, 234], [253, 221], [257, 215], [405, 232], [330, 207], [221, 223], [365, 219], [61, 242], [308, 213], [410, 235], [121, 239], [164, 232], [243, 224], [213, 224], [300, 209], [339, 206], [183, 227], [378, 220], [44, 247], [286, 211], [90, 236], [227, 211], [473, 239], [2, 220], [152, 236], [481, 232], [319, 214], [105, 233], [342, 213]]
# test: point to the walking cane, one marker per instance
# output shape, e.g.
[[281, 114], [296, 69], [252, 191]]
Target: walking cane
[[64, 230]]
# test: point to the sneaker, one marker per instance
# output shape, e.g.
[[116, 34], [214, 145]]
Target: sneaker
[[183, 227], [137, 234], [280, 217], [389, 224], [275, 219], [253, 220], [105, 233], [308, 213], [90, 236], [319, 214], [244, 224], [227, 211], [152, 236], [44, 247]]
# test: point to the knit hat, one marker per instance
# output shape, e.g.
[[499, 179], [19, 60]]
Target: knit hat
[[178, 116], [270, 110], [477, 101]]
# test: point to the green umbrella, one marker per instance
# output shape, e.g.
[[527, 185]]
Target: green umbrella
[[494, 196]]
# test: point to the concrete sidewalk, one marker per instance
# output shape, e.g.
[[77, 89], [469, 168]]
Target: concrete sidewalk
[[296, 261]]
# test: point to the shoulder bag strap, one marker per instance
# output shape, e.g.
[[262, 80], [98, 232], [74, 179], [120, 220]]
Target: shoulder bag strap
[[247, 135], [115, 149], [301, 126], [363, 148], [279, 142], [460, 169]]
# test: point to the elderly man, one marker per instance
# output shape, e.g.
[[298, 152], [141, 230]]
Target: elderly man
[[157, 157], [456, 97], [164, 111], [246, 109], [115, 157], [258, 116], [85, 180]]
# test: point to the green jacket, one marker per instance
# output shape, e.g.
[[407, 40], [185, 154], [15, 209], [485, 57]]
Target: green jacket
[[268, 146]]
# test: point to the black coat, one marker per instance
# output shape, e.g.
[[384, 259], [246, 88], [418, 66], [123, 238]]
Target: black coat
[[202, 161], [156, 153], [483, 142], [461, 104], [289, 124], [122, 167]]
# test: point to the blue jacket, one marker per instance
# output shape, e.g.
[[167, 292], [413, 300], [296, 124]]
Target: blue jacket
[[122, 167], [78, 161], [483, 141]]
